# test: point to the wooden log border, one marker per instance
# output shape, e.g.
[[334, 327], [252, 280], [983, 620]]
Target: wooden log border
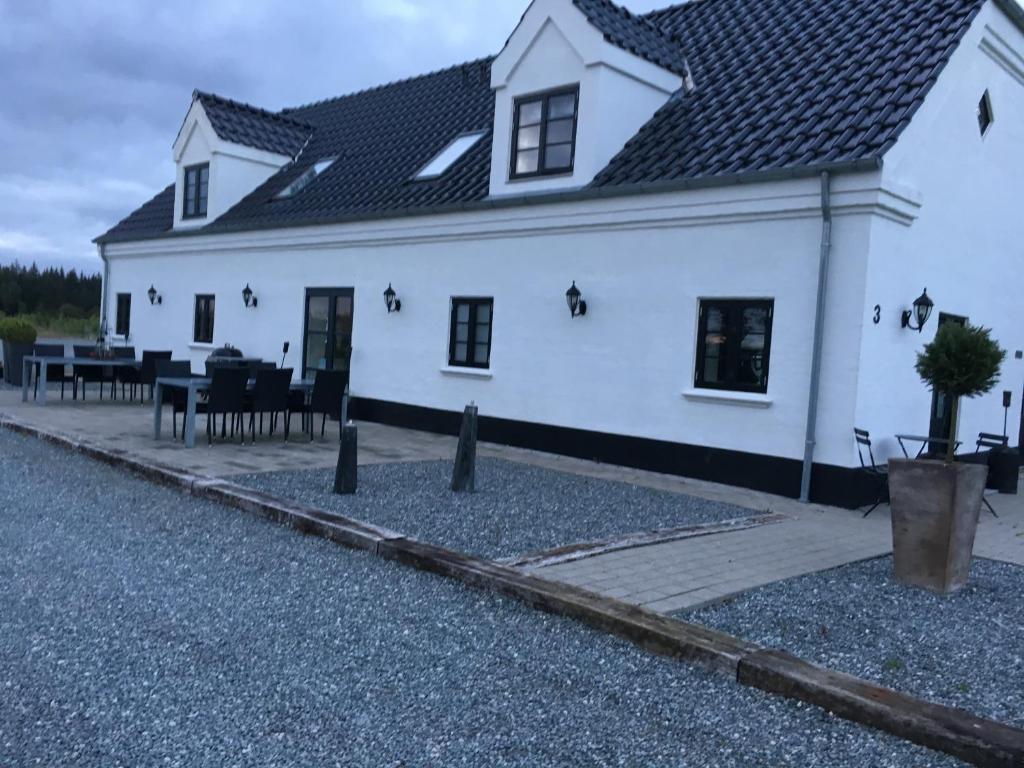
[[955, 731]]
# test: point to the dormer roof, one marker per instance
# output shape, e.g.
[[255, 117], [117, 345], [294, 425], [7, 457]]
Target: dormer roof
[[253, 127], [635, 34]]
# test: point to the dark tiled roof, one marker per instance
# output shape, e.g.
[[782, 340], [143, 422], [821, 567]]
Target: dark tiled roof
[[634, 34], [780, 85], [254, 127]]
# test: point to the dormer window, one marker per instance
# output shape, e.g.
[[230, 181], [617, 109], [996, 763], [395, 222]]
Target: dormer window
[[544, 139], [197, 185]]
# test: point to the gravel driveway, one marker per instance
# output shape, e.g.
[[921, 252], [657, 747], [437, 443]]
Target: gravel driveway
[[966, 649], [516, 509], [140, 627]]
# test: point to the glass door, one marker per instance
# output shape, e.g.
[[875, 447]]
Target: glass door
[[327, 335]]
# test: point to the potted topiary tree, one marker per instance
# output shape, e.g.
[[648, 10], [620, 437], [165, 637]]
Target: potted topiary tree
[[935, 503], [18, 336]]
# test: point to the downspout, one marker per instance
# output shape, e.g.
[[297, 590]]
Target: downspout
[[819, 334], [101, 332]]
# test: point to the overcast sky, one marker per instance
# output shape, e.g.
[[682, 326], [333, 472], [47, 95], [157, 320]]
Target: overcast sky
[[93, 91]]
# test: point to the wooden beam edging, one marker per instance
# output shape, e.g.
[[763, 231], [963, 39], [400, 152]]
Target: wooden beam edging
[[936, 726], [955, 731]]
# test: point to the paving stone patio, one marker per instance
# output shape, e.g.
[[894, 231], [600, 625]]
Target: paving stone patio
[[663, 577]]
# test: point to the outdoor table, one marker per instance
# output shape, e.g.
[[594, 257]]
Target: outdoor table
[[45, 361], [924, 441], [193, 385]]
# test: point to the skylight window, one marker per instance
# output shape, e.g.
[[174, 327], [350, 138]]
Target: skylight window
[[446, 158], [306, 178]]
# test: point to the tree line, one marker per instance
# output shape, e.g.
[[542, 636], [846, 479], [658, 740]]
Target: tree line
[[51, 291]]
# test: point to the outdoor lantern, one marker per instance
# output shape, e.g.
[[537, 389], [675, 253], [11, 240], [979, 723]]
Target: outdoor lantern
[[154, 297], [922, 311], [390, 298], [573, 298], [248, 298]]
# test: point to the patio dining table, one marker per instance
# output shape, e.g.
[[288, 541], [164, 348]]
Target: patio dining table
[[45, 361], [924, 441], [193, 386]]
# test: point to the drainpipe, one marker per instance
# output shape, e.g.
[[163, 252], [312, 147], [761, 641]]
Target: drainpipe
[[819, 333], [103, 290]]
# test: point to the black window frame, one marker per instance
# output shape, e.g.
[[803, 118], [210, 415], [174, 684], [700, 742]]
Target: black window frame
[[123, 315], [735, 309], [986, 117], [471, 340], [205, 303], [197, 188], [545, 98]]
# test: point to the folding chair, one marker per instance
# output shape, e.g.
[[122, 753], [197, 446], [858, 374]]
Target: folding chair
[[879, 473]]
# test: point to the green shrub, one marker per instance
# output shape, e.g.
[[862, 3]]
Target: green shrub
[[962, 361], [17, 331]]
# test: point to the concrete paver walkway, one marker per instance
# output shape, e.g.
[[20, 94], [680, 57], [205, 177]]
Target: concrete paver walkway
[[663, 577]]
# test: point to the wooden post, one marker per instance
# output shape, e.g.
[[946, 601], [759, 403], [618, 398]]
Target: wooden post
[[345, 474], [464, 473]]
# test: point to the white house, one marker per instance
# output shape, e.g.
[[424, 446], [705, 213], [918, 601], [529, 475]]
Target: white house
[[698, 173]]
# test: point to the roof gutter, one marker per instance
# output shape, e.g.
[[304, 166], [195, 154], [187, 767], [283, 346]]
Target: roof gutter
[[824, 256], [864, 165]]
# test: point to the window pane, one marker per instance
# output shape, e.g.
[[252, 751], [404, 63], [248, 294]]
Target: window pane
[[714, 340], [462, 332], [343, 315], [558, 156], [462, 313], [204, 175], [526, 162], [562, 106], [316, 350], [483, 313], [751, 360], [559, 132], [319, 309], [480, 352], [529, 113], [461, 352], [529, 138]]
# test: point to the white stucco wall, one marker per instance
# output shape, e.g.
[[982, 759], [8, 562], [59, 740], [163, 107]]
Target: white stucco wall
[[641, 262], [966, 246]]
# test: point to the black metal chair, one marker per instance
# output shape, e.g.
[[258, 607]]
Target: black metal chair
[[991, 441], [96, 374], [270, 396], [178, 400], [879, 473], [227, 396], [124, 376], [329, 387], [54, 373], [147, 373]]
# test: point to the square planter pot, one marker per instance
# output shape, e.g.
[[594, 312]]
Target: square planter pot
[[13, 356], [935, 509]]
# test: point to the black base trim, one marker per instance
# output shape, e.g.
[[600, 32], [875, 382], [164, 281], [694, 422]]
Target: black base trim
[[839, 486]]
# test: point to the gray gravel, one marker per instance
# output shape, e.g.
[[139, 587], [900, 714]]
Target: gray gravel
[[516, 509], [140, 627], [966, 650]]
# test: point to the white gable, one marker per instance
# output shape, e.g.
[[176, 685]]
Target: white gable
[[555, 46]]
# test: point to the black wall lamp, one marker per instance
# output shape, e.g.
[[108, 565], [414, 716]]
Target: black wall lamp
[[573, 297], [391, 299], [922, 311], [154, 297], [248, 297]]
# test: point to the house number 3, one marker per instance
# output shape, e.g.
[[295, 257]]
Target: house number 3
[[878, 314]]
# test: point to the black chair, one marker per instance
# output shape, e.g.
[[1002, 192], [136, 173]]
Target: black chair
[[96, 374], [270, 395], [328, 389], [176, 398], [124, 376], [54, 373], [990, 441], [147, 373], [879, 473], [227, 396]]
